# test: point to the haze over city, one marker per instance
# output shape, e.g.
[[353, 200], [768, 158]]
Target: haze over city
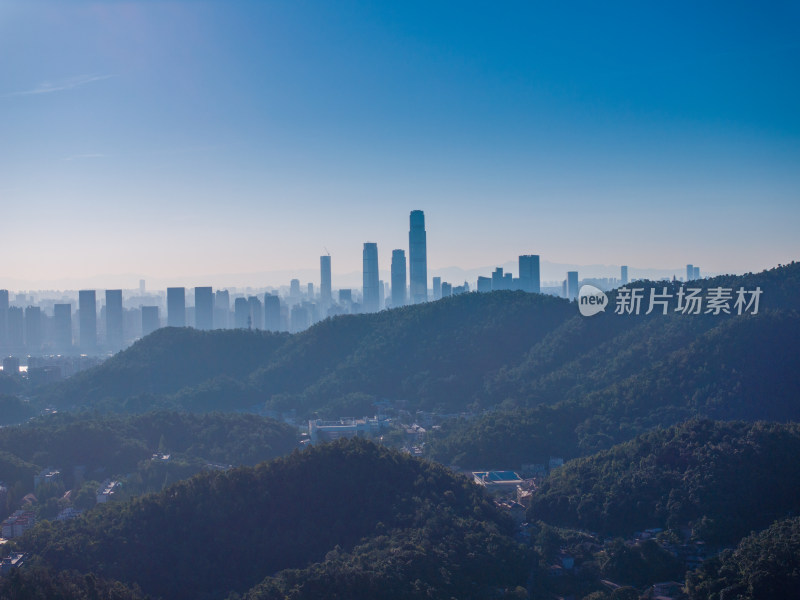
[[178, 141]]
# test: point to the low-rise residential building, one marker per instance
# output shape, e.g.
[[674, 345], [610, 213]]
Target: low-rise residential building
[[17, 524], [106, 491], [48, 475], [12, 561]]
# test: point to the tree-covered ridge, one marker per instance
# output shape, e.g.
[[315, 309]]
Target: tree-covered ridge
[[88, 448], [435, 354], [221, 532], [40, 583], [478, 351], [765, 565], [658, 374], [167, 361], [723, 479], [117, 443]]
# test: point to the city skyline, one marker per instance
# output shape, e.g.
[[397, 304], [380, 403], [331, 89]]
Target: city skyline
[[168, 140]]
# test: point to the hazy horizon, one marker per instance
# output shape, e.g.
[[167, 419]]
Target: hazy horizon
[[181, 140]]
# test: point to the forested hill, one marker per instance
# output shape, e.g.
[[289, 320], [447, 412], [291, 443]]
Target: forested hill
[[722, 479], [356, 519], [481, 351], [432, 354], [764, 565]]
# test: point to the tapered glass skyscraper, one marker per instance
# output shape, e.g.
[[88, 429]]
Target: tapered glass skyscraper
[[325, 280], [418, 257], [371, 279]]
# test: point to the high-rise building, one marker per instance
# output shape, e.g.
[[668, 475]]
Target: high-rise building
[[15, 328], [272, 312], [33, 329], [87, 320], [241, 314], [529, 279], [418, 258], [437, 288], [222, 308], [256, 312], [484, 284], [572, 285], [204, 308], [371, 281], [3, 317], [623, 273], [150, 320], [447, 289], [62, 326], [498, 280], [399, 286], [176, 307], [310, 291], [689, 272], [294, 289], [695, 272], [325, 280], [345, 296], [114, 336], [300, 318]]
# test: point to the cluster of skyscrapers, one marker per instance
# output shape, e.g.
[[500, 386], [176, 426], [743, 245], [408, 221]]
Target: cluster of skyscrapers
[[56, 328]]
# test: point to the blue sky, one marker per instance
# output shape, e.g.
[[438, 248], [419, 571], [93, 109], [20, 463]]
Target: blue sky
[[194, 138]]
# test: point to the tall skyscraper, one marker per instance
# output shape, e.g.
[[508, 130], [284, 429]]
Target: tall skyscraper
[[399, 285], [300, 319], [3, 318], [176, 307], [241, 314], [529, 278], [498, 280], [150, 320], [418, 258], [371, 280], [572, 285], [62, 327], [272, 312], [256, 312], [204, 308], [437, 288], [294, 289], [33, 329], [695, 272], [87, 320], [15, 328], [325, 280], [222, 308], [114, 336], [689, 272], [623, 272]]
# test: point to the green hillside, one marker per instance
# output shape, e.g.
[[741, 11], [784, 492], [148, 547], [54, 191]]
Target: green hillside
[[724, 479], [348, 514]]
